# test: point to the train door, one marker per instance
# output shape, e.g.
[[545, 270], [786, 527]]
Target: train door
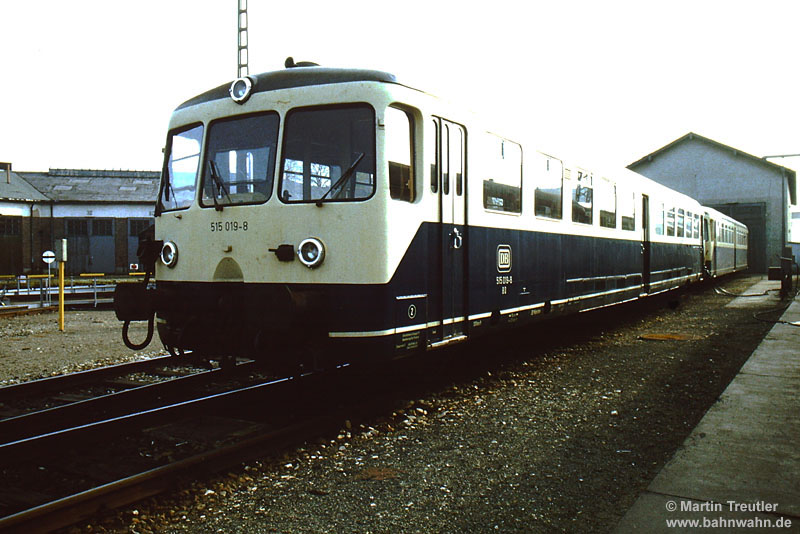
[[452, 228], [645, 244]]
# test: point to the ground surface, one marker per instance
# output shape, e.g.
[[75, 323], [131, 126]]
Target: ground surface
[[33, 347], [555, 428]]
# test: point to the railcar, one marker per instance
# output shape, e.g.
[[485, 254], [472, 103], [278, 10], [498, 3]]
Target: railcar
[[725, 244], [313, 216]]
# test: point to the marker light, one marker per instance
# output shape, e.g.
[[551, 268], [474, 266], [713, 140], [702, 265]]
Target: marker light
[[241, 88], [169, 254], [311, 252]]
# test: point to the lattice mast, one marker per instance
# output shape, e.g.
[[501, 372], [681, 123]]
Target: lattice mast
[[242, 46]]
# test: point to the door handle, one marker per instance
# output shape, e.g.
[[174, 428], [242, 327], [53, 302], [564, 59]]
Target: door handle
[[458, 239]]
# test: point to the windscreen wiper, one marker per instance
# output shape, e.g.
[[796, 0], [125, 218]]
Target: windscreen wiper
[[347, 174], [212, 165]]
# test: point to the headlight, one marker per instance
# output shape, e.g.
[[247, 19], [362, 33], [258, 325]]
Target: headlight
[[311, 252], [240, 89], [169, 254]]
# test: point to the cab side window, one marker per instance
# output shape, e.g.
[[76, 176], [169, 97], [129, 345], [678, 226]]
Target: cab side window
[[400, 153]]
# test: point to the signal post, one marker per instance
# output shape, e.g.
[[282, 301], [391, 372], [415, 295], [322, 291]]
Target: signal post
[[61, 258]]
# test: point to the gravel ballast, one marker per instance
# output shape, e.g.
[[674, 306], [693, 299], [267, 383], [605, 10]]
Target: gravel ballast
[[557, 427]]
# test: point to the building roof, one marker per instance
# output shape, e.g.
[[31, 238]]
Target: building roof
[[790, 175], [96, 186], [14, 188]]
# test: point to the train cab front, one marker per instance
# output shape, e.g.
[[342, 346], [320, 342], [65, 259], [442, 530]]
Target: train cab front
[[258, 218]]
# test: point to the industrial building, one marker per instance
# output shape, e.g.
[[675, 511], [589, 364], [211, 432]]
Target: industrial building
[[99, 212], [752, 190]]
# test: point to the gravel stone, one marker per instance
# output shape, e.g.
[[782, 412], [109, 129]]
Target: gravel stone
[[555, 427]]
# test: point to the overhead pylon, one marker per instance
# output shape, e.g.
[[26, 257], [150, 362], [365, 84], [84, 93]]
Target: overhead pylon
[[243, 69]]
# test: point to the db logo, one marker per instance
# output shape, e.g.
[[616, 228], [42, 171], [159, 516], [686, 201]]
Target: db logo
[[503, 258]]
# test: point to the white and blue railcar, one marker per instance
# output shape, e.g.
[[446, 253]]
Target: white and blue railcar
[[344, 214], [725, 244]]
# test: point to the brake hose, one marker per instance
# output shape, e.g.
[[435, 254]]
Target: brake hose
[[147, 339]]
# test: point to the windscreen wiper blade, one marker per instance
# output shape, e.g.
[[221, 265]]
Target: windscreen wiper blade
[[212, 165], [343, 178]]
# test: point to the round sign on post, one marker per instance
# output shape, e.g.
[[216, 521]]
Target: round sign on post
[[48, 256]]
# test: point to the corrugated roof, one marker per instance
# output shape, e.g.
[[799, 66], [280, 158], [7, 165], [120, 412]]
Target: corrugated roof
[[73, 185], [18, 190]]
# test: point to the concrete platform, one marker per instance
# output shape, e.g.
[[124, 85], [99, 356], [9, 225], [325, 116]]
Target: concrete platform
[[762, 292], [745, 451]]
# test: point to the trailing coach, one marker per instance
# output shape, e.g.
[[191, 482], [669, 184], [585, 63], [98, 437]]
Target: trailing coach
[[315, 216]]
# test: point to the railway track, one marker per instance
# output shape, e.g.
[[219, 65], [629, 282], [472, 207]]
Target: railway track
[[67, 451]]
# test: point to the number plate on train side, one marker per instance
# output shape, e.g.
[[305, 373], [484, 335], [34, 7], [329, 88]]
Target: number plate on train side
[[229, 226]]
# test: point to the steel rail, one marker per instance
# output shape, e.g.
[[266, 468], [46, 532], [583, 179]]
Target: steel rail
[[55, 383], [57, 441], [109, 405], [81, 506]]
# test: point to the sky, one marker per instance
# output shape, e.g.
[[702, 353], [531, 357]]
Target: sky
[[91, 84]]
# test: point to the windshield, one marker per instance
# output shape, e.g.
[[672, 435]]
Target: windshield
[[240, 160], [180, 174], [329, 154]]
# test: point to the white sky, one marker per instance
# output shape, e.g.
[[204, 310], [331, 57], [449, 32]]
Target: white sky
[[91, 84]]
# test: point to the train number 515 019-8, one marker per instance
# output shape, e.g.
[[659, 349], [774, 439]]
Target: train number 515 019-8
[[229, 226]]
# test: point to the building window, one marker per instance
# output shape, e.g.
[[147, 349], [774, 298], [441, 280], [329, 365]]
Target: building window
[[77, 227], [10, 225], [137, 226], [102, 227]]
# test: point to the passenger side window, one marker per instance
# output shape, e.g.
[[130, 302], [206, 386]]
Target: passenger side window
[[627, 210], [679, 224], [549, 188], [582, 198], [400, 153], [502, 191], [607, 203], [689, 219], [658, 219], [671, 222]]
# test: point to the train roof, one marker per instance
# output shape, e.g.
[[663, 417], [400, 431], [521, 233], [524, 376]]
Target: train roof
[[299, 76], [718, 215]]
